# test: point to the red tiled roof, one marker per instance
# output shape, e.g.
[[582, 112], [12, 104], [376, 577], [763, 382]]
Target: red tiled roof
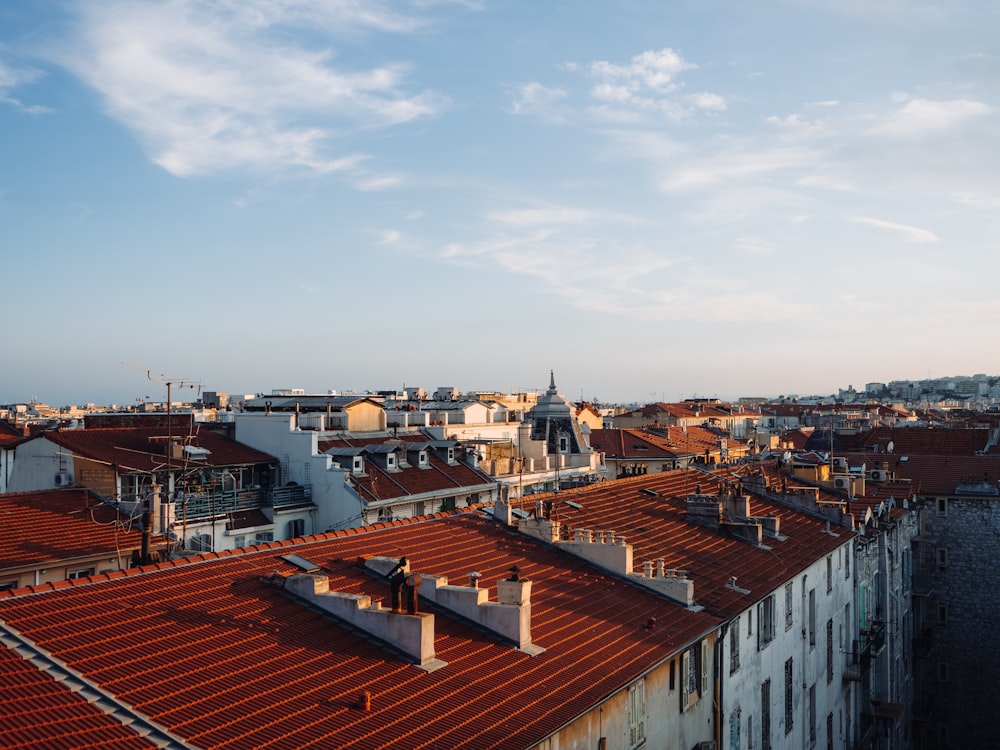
[[9, 435], [37, 711], [934, 475], [919, 440], [630, 444], [438, 477], [56, 525], [143, 448], [657, 527], [222, 660]]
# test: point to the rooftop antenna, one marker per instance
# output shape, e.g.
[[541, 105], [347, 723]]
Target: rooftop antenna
[[169, 381]]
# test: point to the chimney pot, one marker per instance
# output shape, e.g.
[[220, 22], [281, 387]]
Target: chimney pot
[[474, 579], [365, 701]]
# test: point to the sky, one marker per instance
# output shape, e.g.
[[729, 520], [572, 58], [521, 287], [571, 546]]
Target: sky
[[654, 200]]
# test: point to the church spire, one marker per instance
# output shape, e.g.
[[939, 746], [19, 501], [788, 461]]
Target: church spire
[[552, 381]]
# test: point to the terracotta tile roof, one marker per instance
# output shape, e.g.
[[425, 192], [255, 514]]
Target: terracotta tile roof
[[438, 477], [935, 475], [55, 525], [630, 444], [919, 440], [143, 448], [9, 435], [657, 527], [39, 712], [222, 660]]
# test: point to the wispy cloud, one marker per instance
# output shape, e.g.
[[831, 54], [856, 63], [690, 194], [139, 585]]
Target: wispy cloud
[[214, 86], [544, 101], [907, 233], [920, 117], [13, 78]]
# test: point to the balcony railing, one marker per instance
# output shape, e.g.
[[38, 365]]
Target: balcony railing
[[859, 658], [214, 503]]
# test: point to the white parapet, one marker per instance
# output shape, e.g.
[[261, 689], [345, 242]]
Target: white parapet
[[411, 634]]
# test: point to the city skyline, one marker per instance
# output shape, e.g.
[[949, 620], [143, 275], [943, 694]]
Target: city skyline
[[673, 200]]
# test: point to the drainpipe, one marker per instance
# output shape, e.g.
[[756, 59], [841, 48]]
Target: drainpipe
[[720, 666]]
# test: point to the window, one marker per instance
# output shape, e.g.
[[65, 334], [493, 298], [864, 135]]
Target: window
[[829, 731], [765, 715], [789, 612], [942, 614], [385, 514], [941, 557], [390, 461], [240, 541], [765, 622], [80, 573], [359, 465], [296, 528], [673, 674], [263, 536], [789, 689], [749, 731], [694, 674], [829, 651], [637, 714], [848, 551], [829, 573], [422, 458], [750, 623], [942, 506], [8, 585], [812, 617], [734, 730], [563, 444], [734, 646]]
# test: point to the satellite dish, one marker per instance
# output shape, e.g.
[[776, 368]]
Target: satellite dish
[[889, 447]]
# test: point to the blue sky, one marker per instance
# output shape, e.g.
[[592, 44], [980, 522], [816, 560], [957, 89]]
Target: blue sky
[[654, 199]]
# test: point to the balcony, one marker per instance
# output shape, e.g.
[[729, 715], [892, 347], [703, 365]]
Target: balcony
[[922, 584], [202, 505], [859, 658]]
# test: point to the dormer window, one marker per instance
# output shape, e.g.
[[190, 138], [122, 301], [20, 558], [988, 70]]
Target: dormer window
[[390, 461], [359, 465], [422, 458], [563, 444], [451, 455]]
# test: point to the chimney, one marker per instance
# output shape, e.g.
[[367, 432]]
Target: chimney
[[509, 616], [413, 634], [671, 583]]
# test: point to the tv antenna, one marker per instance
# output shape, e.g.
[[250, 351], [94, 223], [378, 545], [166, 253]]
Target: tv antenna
[[170, 381]]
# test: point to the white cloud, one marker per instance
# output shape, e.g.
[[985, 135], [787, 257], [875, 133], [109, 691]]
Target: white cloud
[[534, 98], [389, 236], [907, 233], [534, 217], [925, 117], [647, 84], [373, 183], [213, 86], [754, 246], [12, 78]]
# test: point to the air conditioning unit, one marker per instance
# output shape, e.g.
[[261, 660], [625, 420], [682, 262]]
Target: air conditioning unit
[[63, 479], [842, 483], [839, 462], [878, 475]]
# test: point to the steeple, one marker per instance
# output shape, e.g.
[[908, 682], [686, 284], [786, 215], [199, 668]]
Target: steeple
[[552, 381]]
